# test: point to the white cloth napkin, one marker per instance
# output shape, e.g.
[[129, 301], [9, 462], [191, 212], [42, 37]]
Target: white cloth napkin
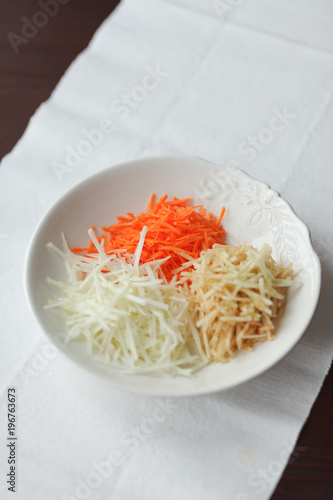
[[184, 77]]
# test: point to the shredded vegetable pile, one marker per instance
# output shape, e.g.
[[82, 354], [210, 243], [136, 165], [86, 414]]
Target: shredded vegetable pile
[[127, 313], [174, 229], [161, 293], [235, 292]]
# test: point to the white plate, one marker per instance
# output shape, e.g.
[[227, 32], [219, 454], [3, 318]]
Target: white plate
[[254, 212]]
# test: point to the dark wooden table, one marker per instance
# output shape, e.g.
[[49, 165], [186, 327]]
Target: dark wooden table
[[28, 74]]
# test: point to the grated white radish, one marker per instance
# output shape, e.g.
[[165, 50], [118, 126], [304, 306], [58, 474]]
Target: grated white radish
[[126, 313]]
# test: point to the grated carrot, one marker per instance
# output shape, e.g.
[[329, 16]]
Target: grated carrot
[[175, 229]]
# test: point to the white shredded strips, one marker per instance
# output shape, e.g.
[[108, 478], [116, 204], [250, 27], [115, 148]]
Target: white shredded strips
[[235, 292], [127, 314]]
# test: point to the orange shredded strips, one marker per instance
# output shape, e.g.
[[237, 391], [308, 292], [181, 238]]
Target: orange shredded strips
[[175, 229]]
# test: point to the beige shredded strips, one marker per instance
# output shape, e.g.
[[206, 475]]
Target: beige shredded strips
[[235, 292]]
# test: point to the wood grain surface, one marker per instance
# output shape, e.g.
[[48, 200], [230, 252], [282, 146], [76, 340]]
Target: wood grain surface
[[28, 74]]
